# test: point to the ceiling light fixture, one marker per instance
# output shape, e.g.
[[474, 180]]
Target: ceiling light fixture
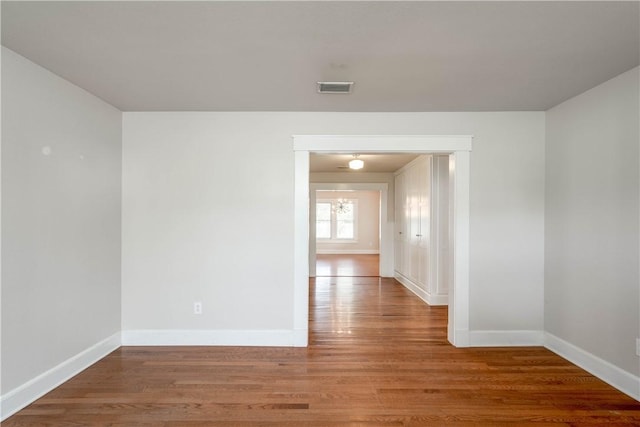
[[356, 163], [342, 206]]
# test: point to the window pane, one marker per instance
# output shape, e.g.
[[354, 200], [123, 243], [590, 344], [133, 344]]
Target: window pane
[[323, 220], [344, 230], [347, 213], [323, 211], [323, 229]]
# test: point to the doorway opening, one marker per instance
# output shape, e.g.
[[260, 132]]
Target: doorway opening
[[347, 233], [457, 147], [347, 222]]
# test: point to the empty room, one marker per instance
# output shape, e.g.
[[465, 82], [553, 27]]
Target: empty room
[[320, 213]]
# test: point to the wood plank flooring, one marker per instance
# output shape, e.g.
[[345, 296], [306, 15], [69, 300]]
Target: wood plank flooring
[[378, 356], [347, 265]]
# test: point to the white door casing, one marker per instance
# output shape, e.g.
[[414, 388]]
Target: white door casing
[[457, 146]]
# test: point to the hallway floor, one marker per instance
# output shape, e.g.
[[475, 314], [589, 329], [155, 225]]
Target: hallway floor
[[344, 265]]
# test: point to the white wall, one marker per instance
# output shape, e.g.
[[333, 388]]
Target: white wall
[[60, 222], [368, 223], [592, 299], [208, 214]]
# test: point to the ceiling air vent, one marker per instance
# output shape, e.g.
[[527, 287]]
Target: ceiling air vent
[[335, 87]]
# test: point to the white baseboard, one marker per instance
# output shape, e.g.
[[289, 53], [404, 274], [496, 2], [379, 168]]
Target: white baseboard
[[347, 251], [624, 381], [437, 299], [264, 338], [505, 338], [300, 337], [20, 397], [421, 293], [459, 338]]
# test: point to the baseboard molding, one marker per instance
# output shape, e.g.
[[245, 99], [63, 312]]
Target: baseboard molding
[[437, 299], [253, 338], [300, 337], [20, 397], [459, 338], [624, 381], [347, 252], [421, 293], [524, 338]]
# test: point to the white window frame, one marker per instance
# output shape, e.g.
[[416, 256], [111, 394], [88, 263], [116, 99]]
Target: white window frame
[[334, 221]]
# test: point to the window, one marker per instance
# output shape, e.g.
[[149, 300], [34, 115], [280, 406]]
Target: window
[[323, 220], [336, 219], [345, 220]]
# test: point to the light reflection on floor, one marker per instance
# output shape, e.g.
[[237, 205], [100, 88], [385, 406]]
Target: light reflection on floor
[[336, 277], [347, 265]]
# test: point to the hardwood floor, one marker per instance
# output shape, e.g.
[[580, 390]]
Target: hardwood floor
[[347, 265], [378, 356]]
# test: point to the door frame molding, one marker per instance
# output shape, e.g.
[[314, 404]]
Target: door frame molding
[[459, 149]]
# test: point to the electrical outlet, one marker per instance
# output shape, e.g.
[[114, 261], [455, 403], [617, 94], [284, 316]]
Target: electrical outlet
[[638, 346], [197, 307]]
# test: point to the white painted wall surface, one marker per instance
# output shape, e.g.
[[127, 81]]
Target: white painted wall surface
[[208, 214], [61, 194], [368, 222], [591, 280]]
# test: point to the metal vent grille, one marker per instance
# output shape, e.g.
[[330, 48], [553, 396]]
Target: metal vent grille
[[335, 87]]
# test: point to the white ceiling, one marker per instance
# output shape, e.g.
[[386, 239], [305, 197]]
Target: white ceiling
[[268, 55], [372, 162]]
